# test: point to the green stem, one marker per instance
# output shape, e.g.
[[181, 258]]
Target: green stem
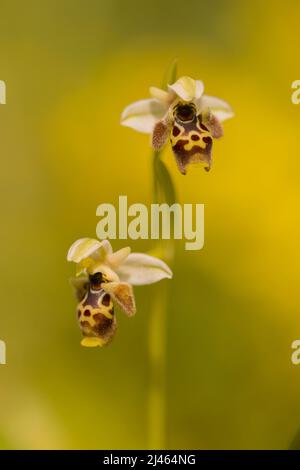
[[157, 358], [164, 191]]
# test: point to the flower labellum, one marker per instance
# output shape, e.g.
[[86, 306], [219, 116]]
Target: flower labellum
[[183, 114], [104, 279]]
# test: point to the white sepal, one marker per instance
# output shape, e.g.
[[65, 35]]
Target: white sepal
[[140, 269], [142, 115]]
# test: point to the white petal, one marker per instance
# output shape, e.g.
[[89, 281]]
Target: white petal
[[139, 269], [82, 248], [199, 89], [222, 115], [187, 89], [220, 108], [159, 94], [107, 246], [142, 115], [118, 257], [88, 247]]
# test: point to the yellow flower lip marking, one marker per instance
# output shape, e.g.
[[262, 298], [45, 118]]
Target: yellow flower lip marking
[[104, 312], [92, 312], [92, 342]]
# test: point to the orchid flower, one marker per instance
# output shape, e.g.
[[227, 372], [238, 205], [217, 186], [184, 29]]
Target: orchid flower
[[105, 278], [184, 114]]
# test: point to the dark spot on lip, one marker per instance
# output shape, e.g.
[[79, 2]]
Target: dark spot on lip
[[87, 313], [176, 131], [195, 137], [104, 326], [106, 300], [185, 112], [207, 139], [96, 280]]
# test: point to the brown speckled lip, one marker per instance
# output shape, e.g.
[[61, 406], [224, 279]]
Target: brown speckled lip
[[191, 131]]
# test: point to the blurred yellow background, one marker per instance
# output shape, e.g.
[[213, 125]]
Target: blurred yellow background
[[70, 68]]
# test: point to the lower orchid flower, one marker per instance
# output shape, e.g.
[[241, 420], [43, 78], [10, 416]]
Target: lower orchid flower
[[190, 119], [105, 279]]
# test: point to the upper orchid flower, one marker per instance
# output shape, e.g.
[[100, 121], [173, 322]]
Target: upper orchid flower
[[107, 277], [184, 113]]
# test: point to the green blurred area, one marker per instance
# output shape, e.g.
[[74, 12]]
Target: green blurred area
[[70, 68]]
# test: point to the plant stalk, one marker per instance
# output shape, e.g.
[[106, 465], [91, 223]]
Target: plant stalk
[[164, 191]]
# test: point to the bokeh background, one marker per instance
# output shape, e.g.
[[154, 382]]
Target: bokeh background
[[70, 67]]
